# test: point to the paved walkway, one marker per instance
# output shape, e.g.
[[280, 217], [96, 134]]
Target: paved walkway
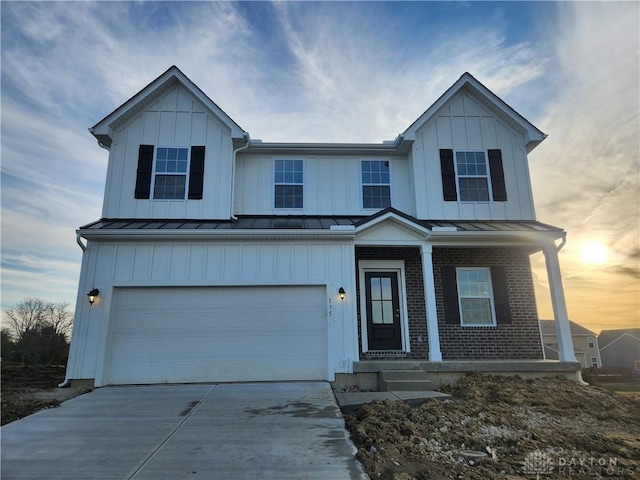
[[227, 431]]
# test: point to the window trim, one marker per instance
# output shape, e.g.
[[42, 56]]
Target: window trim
[[487, 176], [274, 184], [152, 190], [362, 184], [492, 306], [591, 342]]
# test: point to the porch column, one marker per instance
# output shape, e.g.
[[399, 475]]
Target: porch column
[[430, 303], [563, 329]]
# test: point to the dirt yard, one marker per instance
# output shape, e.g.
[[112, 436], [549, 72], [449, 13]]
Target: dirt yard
[[29, 388], [502, 428]]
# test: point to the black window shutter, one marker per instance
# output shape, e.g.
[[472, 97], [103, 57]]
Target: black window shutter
[[497, 176], [448, 175], [145, 169], [450, 294], [501, 295], [196, 173]]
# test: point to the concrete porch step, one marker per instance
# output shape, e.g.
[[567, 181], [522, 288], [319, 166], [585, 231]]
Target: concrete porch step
[[404, 381]]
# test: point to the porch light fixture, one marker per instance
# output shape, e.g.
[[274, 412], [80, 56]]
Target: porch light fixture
[[341, 293], [92, 295]]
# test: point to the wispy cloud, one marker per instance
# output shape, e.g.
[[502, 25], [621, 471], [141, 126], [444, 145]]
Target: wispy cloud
[[586, 174], [315, 71]]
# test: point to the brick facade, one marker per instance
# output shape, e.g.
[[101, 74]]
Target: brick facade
[[518, 340], [415, 293]]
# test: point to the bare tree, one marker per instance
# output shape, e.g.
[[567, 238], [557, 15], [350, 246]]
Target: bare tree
[[27, 316], [60, 318], [40, 330]]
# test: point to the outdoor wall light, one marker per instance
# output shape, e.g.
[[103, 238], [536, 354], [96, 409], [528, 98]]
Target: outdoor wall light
[[341, 293], [92, 295]]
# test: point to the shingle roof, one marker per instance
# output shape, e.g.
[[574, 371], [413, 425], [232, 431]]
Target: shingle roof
[[547, 327]]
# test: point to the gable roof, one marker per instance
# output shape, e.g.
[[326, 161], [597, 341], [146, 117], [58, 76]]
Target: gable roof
[[548, 327], [467, 82], [103, 130], [607, 337]]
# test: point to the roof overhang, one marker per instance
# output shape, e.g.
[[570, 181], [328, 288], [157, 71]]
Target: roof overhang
[[105, 128], [120, 235], [399, 146], [389, 227]]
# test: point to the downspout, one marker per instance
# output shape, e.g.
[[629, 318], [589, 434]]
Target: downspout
[[79, 241], [233, 173]]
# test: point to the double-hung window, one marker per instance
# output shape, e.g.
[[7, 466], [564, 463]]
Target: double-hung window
[[475, 295], [170, 173], [473, 178], [376, 187], [289, 184]]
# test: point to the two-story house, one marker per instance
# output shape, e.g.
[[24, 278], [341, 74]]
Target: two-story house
[[585, 343], [221, 258]]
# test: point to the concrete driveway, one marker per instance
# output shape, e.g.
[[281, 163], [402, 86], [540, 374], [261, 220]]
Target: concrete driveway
[[225, 431]]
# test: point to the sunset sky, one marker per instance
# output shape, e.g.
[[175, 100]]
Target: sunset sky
[[330, 72]]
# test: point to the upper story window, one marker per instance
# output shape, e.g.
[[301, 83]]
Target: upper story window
[[592, 343], [170, 173], [289, 184], [173, 172], [472, 176], [476, 298], [376, 186], [472, 173]]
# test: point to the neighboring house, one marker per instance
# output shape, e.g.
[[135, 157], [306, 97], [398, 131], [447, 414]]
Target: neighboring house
[[221, 258], [585, 343], [621, 349]]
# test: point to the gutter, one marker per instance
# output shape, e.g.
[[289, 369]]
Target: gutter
[[274, 234], [233, 172]]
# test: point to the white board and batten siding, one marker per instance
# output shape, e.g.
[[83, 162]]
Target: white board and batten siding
[[332, 185], [464, 124], [174, 119], [261, 279]]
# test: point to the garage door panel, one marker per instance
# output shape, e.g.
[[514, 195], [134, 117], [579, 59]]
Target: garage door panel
[[217, 334]]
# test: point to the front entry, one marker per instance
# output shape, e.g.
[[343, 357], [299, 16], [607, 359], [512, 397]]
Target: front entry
[[383, 311]]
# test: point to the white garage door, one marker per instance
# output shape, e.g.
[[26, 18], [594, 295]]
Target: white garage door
[[217, 334]]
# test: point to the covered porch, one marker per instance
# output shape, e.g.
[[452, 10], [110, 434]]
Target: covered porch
[[408, 324]]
